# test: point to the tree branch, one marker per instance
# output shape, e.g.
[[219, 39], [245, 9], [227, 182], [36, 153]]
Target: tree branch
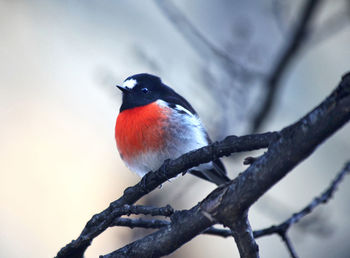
[[321, 199], [295, 143], [146, 210], [243, 235], [158, 223], [171, 168], [299, 33], [289, 245], [140, 223]]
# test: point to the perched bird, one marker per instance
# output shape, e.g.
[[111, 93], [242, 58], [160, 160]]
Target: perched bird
[[155, 123]]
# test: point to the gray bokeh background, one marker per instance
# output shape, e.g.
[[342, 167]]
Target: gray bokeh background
[[59, 165]]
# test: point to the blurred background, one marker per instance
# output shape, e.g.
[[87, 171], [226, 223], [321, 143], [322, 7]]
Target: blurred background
[[59, 63]]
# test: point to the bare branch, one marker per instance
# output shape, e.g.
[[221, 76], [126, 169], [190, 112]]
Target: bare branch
[[218, 232], [140, 223], [289, 245], [100, 222], [147, 210], [322, 199], [230, 200], [158, 223], [280, 229], [243, 234], [293, 45]]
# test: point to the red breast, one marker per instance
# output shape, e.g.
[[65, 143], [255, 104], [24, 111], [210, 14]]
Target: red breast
[[140, 129]]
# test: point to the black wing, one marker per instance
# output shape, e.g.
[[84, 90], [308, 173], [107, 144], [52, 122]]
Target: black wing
[[173, 98], [217, 174]]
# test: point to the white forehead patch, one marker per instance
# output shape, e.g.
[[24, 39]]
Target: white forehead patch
[[129, 83]]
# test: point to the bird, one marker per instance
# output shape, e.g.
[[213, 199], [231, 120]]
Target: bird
[[155, 124]]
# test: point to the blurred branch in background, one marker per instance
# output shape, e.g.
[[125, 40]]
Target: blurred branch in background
[[231, 87], [299, 35], [281, 12], [202, 45], [303, 35], [332, 25], [293, 44]]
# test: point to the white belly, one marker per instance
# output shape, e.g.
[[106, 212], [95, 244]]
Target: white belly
[[184, 133]]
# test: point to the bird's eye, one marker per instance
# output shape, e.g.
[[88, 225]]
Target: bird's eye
[[145, 90]]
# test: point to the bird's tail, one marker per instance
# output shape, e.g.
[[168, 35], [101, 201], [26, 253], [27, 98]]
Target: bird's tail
[[216, 174]]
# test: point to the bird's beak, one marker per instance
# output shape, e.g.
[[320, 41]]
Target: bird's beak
[[124, 90]]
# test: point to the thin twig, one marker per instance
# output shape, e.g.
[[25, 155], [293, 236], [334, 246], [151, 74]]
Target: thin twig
[[321, 199], [289, 245]]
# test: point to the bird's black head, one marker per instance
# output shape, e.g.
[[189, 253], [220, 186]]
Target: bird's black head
[[142, 89]]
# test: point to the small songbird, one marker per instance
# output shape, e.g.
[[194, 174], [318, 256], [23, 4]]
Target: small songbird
[[155, 124]]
